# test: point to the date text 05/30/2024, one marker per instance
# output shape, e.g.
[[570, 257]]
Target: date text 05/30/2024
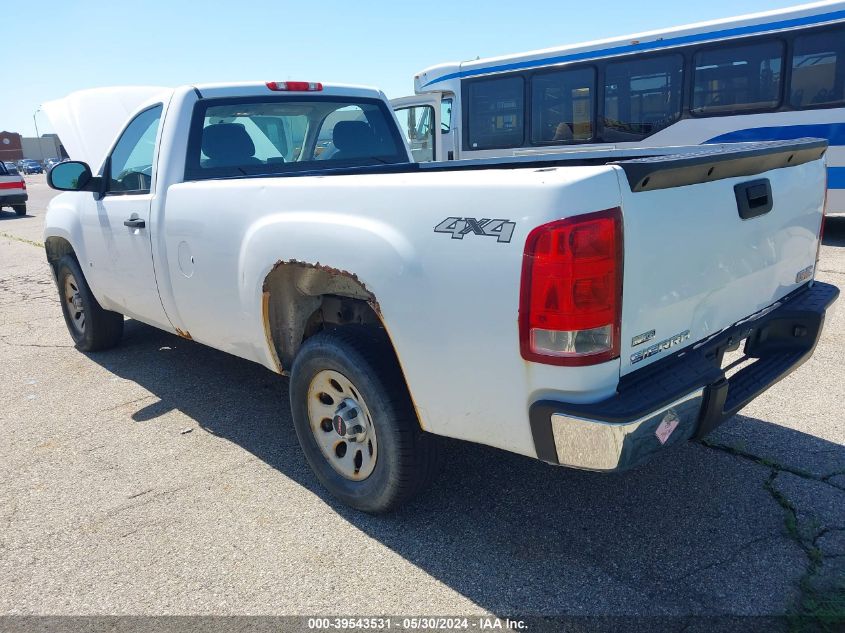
[[482, 623]]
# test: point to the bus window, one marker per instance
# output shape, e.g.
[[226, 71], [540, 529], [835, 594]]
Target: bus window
[[496, 113], [818, 69], [733, 79], [641, 97], [562, 106], [445, 115]]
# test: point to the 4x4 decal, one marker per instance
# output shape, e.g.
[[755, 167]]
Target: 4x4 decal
[[502, 230]]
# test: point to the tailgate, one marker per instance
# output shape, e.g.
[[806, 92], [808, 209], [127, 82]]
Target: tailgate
[[712, 238]]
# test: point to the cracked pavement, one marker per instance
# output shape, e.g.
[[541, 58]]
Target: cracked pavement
[[164, 477]]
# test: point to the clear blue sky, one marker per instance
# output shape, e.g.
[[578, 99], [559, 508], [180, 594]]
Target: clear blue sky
[[52, 48]]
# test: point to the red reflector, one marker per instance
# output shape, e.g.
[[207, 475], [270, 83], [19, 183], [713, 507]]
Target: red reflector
[[13, 185], [571, 295], [295, 86]]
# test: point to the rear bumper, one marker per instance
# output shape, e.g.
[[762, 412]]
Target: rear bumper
[[18, 198], [686, 395]]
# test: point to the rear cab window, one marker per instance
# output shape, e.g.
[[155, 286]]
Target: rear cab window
[[254, 136]]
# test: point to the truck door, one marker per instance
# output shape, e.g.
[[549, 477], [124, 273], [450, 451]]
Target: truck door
[[116, 228], [419, 120]]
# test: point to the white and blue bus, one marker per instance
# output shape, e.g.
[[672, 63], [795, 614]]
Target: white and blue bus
[[767, 76]]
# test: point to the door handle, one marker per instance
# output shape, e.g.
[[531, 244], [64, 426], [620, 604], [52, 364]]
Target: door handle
[[134, 223]]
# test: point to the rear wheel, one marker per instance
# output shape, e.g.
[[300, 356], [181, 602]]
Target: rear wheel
[[91, 327], [355, 421], [20, 209]]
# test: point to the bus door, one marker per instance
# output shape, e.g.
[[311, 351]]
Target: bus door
[[419, 120]]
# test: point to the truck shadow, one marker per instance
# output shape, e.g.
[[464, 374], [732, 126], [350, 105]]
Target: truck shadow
[[694, 531]]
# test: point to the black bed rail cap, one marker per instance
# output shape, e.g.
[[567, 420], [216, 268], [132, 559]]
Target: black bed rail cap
[[718, 162]]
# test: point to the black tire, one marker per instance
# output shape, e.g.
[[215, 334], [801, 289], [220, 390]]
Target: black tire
[[20, 209], [407, 458], [100, 329]]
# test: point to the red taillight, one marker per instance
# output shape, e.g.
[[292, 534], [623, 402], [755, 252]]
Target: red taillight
[[23, 183], [571, 297], [295, 86], [15, 184]]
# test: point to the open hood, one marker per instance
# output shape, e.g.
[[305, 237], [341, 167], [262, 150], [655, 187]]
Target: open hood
[[88, 121]]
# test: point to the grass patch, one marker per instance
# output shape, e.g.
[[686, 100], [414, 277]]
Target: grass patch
[[819, 610], [791, 519], [23, 240]]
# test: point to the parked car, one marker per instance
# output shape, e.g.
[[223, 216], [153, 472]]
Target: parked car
[[580, 317], [51, 162], [11, 167], [30, 166], [12, 190]]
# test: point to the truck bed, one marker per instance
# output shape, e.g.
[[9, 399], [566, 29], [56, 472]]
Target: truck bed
[[645, 168]]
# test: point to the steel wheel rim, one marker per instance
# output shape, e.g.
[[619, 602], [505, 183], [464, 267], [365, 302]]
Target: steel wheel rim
[[73, 301], [353, 453]]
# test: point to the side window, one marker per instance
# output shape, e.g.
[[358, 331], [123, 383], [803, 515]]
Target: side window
[[496, 113], [131, 161], [562, 106], [734, 79], [416, 124], [642, 96], [818, 69], [445, 115]]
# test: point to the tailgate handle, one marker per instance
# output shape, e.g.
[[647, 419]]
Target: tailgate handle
[[753, 198]]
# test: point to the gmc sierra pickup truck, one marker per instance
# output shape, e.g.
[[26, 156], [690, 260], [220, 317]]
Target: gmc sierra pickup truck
[[574, 308]]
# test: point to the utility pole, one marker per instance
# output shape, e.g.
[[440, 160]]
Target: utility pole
[[37, 135]]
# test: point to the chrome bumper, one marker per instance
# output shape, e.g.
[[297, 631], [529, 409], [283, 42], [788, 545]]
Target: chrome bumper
[[596, 445], [683, 396]]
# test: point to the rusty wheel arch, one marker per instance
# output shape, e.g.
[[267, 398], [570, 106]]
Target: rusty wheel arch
[[300, 299]]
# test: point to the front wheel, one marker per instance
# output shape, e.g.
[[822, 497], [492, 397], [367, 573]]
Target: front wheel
[[91, 327], [355, 421]]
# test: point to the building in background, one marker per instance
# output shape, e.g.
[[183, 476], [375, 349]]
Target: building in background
[[47, 146], [14, 147], [10, 146]]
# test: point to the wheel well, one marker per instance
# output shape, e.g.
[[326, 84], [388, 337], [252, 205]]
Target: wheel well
[[302, 299], [57, 247]]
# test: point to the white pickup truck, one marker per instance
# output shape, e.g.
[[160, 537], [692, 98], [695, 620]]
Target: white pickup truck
[[574, 308]]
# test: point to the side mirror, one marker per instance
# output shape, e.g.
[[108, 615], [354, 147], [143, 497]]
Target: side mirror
[[73, 176]]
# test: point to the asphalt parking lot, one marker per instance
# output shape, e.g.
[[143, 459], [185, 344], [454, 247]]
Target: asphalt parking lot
[[164, 477]]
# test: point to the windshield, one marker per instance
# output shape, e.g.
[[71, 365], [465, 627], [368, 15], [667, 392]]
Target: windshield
[[258, 136]]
